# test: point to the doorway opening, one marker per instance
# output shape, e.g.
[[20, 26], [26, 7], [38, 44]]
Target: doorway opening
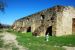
[[49, 31], [42, 17], [29, 29], [73, 26]]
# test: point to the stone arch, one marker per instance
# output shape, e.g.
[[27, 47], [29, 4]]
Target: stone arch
[[29, 29], [42, 16], [49, 31]]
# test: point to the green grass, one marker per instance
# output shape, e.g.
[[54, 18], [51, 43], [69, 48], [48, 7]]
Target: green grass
[[1, 31], [15, 48], [1, 42], [39, 43]]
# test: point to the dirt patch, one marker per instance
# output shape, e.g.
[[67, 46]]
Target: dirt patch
[[69, 48], [10, 42]]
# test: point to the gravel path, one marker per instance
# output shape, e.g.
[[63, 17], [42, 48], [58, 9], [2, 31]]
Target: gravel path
[[69, 48], [10, 42]]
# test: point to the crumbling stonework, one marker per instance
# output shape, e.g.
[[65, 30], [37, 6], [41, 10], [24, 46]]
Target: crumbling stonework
[[55, 21]]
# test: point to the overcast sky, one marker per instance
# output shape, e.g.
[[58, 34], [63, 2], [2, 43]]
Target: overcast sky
[[16, 9]]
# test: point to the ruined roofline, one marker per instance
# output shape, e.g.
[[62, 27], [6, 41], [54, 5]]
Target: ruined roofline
[[53, 7]]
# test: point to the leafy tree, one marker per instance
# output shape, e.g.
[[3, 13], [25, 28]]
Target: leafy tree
[[2, 5], [2, 8]]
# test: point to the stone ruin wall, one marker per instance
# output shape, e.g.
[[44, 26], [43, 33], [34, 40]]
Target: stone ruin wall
[[36, 22], [61, 22], [64, 21]]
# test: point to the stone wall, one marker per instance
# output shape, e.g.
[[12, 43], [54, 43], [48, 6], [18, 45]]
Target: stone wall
[[64, 21], [59, 17], [39, 22]]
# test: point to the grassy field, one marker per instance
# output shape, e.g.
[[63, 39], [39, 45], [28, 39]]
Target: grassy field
[[1, 31], [39, 43]]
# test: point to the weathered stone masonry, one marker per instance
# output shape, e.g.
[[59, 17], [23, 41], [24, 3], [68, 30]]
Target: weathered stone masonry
[[57, 21]]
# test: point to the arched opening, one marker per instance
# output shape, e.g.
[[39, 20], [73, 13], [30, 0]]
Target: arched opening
[[73, 26], [42, 16], [49, 31], [29, 29]]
